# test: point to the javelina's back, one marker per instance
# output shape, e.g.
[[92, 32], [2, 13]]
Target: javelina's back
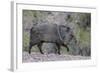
[[46, 32]]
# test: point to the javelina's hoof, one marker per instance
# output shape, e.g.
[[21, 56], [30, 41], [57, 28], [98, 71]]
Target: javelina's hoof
[[42, 53], [29, 52], [59, 53]]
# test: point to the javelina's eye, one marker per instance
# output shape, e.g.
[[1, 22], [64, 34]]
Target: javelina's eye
[[71, 36], [68, 29]]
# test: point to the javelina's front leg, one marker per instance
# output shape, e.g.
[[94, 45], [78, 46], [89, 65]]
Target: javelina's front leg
[[66, 47], [58, 51], [40, 47]]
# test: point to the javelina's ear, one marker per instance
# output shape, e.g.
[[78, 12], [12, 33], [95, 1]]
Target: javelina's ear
[[62, 27]]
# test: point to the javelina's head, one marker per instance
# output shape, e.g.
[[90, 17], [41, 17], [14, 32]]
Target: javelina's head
[[69, 38], [67, 35]]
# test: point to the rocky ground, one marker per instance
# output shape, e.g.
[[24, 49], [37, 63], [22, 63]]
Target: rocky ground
[[38, 57]]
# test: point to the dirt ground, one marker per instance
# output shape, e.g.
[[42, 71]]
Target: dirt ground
[[38, 57]]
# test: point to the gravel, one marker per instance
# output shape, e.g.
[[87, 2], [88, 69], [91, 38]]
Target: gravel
[[38, 57]]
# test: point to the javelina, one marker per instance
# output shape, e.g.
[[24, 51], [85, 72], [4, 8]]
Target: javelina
[[61, 35]]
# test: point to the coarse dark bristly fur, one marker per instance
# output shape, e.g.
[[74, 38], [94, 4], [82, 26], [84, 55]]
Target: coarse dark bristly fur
[[58, 34]]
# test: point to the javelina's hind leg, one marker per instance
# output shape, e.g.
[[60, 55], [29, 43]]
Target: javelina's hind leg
[[40, 47], [30, 46]]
